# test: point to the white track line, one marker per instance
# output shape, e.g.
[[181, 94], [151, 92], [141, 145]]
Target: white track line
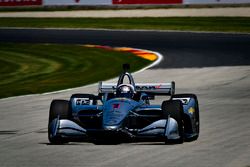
[[127, 30]]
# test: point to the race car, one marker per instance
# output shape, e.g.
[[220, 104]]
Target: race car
[[122, 112]]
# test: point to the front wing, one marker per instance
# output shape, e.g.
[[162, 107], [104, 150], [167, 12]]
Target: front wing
[[71, 131]]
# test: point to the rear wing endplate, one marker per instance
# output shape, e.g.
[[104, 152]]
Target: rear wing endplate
[[151, 88]]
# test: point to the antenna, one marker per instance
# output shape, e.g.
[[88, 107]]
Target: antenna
[[126, 67]]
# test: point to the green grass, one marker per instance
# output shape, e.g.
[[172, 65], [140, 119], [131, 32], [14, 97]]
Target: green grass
[[220, 24], [38, 68]]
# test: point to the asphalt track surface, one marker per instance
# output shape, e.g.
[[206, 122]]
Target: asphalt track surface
[[214, 66]]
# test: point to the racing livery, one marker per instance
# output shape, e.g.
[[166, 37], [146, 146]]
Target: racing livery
[[122, 112]]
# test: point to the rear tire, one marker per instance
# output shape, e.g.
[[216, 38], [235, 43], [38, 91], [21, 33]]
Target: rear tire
[[174, 109], [58, 108]]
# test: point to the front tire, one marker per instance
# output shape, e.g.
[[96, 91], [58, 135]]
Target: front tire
[[58, 108], [191, 124], [174, 109]]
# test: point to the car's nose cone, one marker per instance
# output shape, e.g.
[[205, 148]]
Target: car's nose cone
[[110, 128]]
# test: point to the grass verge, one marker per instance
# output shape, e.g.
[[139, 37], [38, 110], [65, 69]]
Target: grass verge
[[218, 24], [38, 68]]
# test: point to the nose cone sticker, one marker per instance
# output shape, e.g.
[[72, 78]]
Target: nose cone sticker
[[115, 106], [191, 110]]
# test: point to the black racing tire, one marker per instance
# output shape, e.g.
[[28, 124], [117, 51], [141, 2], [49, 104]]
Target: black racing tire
[[81, 95], [197, 116], [58, 108], [174, 109]]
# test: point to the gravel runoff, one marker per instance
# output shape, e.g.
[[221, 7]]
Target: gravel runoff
[[203, 12]]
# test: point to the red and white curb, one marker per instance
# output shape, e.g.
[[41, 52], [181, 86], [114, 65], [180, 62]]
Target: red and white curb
[[155, 57]]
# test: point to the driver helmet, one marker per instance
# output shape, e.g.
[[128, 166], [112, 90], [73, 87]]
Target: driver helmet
[[125, 90]]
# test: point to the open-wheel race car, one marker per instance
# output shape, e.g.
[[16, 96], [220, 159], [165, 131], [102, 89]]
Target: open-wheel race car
[[122, 112]]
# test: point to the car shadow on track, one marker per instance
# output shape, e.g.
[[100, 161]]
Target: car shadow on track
[[8, 132], [108, 144]]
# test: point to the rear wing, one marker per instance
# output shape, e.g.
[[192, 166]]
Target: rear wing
[[151, 88]]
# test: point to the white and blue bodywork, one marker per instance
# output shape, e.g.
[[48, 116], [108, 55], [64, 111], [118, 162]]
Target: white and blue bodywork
[[110, 117]]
